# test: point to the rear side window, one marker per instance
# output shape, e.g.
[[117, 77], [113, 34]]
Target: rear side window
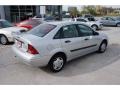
[[42, 30], [69, 31], [58, 34]]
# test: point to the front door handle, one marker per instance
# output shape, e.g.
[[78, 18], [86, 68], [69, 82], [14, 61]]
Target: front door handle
[[68, 41]]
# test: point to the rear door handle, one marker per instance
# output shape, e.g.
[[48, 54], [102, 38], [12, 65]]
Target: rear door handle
[[68, 41], [86, 39]]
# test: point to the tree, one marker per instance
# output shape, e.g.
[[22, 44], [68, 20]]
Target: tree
[[89, 10], [73, 11]]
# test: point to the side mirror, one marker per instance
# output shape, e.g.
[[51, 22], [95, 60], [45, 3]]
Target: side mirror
[[95, 33]]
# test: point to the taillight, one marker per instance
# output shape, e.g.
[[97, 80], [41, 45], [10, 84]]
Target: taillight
[[32, 50]]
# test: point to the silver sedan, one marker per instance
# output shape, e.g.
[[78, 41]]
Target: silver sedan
[[55, 43]]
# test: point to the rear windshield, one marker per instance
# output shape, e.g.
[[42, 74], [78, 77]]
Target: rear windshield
[[42, 30]]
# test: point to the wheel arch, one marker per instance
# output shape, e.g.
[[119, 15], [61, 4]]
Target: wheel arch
[[58, 53], [105, 40], [3, 34], [94, 25], [5, 37]]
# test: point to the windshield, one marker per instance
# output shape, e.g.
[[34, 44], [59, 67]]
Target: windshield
[[42, 30], [5, 24]]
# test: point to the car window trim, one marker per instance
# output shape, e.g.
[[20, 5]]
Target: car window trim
[[60, 30]]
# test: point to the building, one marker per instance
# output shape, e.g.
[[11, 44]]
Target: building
[[18, 13]]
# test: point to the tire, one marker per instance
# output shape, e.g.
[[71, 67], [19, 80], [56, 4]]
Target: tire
[[3, 39], [57, 63], [95, 27], [118, 24], [102, 47]]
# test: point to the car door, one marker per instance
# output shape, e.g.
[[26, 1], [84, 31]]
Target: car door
[[111, 21], [70, 41], [104, 21], [89, 42]]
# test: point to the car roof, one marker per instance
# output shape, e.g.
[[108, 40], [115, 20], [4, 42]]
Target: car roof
[[63, 22]]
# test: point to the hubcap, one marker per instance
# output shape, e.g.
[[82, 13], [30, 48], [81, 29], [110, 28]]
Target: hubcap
[[3, 40], [103, 47], [94, 27], [58, 63]]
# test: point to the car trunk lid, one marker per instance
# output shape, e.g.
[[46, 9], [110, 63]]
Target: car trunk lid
[[26, 41]]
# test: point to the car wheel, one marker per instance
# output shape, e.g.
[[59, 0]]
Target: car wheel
[[94, 27], [118, 25], [102, 47], [57, 63], [3, 39]]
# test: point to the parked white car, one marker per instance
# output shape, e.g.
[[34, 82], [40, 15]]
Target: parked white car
[[91, 22], [55, 43], [6, 31]]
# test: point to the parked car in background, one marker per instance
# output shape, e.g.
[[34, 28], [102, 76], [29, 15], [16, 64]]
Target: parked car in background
[[117, 18], [55, 43], [110, 21], [47, 18], [91, 22], [7, 30], [30, 23], [87, 16], [37, 17]]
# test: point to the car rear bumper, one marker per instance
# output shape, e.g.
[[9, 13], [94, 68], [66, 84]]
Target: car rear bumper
[[30, 59], [10, 39]]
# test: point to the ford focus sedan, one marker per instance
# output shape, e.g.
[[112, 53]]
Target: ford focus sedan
[[53, 44]]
